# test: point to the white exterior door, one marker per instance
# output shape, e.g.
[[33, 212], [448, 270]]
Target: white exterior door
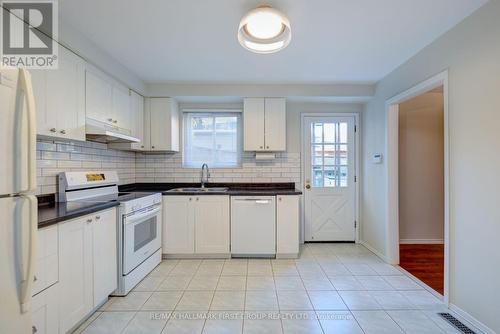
[[329, 170]]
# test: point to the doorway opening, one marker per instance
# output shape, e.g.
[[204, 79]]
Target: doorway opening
[[421, 187], [417, 174]]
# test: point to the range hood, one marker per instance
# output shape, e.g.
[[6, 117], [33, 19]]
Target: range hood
[[105, 133]]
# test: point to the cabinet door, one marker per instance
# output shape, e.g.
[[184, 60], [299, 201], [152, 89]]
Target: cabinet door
[[212, 224], [60, 98], [75, 271], [98, 97], [178, 225], [164, 124], [275, 124], [253, 124], [287, 225], [104, 255], [66, 95], [137, 116], [45, 311], [121, 115]]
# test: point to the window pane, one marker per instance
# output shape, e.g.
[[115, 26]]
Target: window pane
[[343, 132], [317, 150], [317, 160], [317, 176], [343, 177], [342, 154], [213, 139], [329, 132], [330, 155], [317, 132], [329, 176]]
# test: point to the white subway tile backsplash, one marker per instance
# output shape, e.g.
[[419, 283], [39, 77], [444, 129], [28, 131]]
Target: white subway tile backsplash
[[54, 157]]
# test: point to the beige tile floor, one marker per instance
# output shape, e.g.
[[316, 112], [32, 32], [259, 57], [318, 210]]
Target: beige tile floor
[[331, 288]]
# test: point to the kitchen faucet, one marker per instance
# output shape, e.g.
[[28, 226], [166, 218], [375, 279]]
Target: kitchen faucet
[[204, 178]]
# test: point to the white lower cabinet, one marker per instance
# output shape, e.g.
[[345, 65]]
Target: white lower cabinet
[[75, 271], [104, 255], [211, 217], [287, 226], [44, 311], [87, 265], [196, 224], [178, 225]]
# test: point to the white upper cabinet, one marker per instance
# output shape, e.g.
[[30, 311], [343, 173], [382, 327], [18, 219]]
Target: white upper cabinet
[[121, 115], [253, 120], [98, 97], [264, 122], [106, 100], [60, 98], [162, 124], [137, 117]]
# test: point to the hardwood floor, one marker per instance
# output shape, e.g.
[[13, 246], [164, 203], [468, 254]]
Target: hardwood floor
[[426, 262]]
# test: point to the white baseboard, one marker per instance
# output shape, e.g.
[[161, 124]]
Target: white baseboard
[[472, 321], [422, 241], [373, 250]]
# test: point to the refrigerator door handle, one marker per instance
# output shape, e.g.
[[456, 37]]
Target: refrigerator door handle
[[28, 90], [27, 281]]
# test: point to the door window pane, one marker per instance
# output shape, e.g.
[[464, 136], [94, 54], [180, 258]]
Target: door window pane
[[329, 154]]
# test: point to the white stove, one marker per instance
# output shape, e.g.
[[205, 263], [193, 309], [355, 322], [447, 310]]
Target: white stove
[[138, 226]]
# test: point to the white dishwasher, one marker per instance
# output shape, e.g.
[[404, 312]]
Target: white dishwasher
[[253, 226]]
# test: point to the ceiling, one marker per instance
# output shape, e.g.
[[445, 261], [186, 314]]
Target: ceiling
[[195, 40]]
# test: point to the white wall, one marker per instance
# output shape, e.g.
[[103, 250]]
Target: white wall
[[471, 53], [421, 169]]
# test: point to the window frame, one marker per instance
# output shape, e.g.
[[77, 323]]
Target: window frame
[[212, 113]]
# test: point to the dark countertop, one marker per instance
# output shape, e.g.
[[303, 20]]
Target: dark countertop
[[51, 212], [235, 189]]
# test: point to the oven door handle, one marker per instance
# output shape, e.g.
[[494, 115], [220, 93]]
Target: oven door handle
[[142, 215]]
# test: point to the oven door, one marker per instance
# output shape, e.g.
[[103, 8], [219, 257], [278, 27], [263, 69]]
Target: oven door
[[142, 236]]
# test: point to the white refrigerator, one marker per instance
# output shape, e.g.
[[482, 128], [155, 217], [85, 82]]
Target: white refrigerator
[[18, 205]]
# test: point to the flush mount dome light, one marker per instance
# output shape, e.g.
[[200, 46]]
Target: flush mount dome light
[[264, 30]]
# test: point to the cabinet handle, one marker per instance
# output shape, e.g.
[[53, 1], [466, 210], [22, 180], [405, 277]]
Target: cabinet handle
[[35, 278], [267, 147], [34, 329], [89, 220], [53, 130], [190, 199], [115, 121], [262, 147], [197, 199], [152, 147], [63, 132], [142, 146], [279, 198], [110, 120], [97, 217]]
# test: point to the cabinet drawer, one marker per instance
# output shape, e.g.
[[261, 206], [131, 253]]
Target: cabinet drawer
[[46, 266], [45, 314]]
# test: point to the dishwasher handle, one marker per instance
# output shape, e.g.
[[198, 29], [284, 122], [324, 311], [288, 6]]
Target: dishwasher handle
[[256, 200]]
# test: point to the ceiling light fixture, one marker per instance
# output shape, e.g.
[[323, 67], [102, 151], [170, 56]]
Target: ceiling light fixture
[[264, 30]]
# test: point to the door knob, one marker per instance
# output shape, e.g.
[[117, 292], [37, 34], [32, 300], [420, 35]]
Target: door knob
[[308, 186]]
